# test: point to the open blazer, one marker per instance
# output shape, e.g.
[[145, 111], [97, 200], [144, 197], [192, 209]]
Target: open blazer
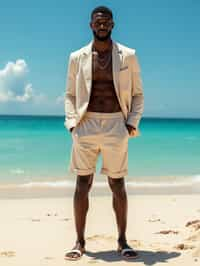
[[126, 78]]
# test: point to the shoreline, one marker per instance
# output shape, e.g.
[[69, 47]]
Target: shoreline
[[66, 189]]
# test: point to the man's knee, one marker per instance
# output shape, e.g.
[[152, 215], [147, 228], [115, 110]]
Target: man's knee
[[117, 186], [83, 184]]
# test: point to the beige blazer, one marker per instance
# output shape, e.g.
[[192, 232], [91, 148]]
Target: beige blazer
[[126, 78]]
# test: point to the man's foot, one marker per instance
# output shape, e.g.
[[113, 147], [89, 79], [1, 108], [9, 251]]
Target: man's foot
[[76, 252], [126, 251]]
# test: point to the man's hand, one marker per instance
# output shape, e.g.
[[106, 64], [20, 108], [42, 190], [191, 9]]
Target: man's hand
[[71, 129], [131, 130]]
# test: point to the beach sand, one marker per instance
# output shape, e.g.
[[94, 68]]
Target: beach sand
[[164, 229]]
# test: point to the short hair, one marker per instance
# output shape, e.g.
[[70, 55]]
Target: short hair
[[102, 9]]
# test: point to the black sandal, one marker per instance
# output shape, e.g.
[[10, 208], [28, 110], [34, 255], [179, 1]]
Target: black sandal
[[75, 251], [124, 251]]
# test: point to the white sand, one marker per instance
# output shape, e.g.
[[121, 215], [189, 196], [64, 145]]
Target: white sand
[[39, 231]]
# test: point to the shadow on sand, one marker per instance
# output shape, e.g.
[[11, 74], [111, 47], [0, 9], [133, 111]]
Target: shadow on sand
[[147, 257]]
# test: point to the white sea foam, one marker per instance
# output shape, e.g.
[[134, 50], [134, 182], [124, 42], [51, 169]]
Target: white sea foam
[[62, 188], [196, 178], [56, 184], [146, 182], [101, 184], [17, 171]]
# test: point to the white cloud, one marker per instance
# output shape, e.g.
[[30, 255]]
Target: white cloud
[[28, 94], [14, 86]]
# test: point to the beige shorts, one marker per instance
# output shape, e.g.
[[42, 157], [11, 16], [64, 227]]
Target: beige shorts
[[103, 133]]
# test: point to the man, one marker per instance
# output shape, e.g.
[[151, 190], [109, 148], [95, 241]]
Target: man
[[103, 104]]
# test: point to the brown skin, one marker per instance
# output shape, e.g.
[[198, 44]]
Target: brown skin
[[103, 99]]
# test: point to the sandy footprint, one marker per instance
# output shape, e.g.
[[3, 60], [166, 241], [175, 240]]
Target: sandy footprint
[[166, 232], [193, 224], [153, 220], [7, 253], [184, 246]]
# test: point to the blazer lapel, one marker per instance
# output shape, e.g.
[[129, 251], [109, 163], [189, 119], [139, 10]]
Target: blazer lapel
[[87, 66], [116, 63]]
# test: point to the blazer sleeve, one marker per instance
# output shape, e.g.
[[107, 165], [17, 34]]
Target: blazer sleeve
[[70, 94], [137, 103]]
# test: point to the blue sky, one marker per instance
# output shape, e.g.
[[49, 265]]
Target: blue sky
[[37, 37]]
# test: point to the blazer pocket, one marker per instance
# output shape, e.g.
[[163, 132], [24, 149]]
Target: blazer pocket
[[124, 74], [123, 68]]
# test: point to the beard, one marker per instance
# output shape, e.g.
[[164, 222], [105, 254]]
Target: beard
[[101, 39]]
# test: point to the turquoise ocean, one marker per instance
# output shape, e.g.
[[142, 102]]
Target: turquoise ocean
[[36, 150]]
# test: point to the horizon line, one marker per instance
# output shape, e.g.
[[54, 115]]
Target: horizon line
[[59, 115]]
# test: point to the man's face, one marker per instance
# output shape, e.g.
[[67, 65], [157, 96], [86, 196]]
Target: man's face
[[101, 26]]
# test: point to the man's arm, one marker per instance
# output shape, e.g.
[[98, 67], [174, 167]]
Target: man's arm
[[70, 97], [137, 105]]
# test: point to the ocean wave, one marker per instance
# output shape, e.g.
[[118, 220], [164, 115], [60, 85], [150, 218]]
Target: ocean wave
[[100, 188], [101, 184], [141, 182]]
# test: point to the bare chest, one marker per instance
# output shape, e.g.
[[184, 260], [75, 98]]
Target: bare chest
[[103, 97], [102, 68]]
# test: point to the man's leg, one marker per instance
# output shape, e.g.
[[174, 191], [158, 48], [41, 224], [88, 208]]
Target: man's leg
[[120, 206], [81, 205], [119, 200]]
